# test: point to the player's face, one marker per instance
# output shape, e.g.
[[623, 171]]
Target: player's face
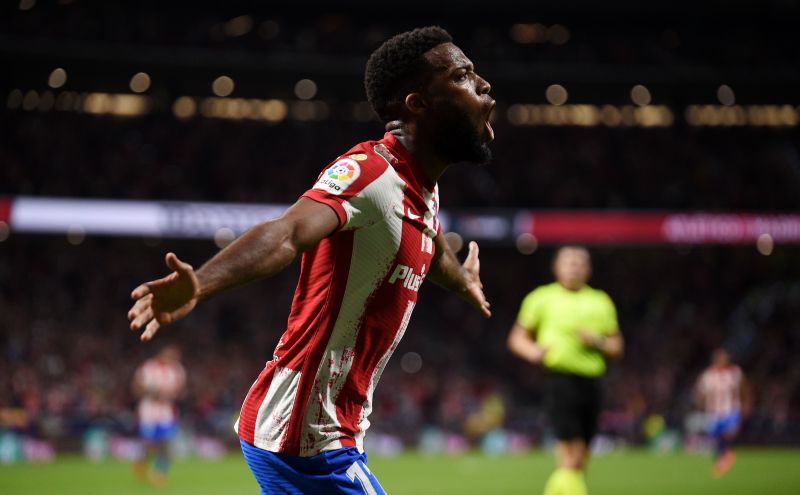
[[572, 268], [459, 107]]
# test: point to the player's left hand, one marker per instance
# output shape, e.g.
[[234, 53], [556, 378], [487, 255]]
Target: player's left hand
[[473, 289], [166, 300]]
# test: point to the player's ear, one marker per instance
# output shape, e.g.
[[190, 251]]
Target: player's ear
[[415, 103]]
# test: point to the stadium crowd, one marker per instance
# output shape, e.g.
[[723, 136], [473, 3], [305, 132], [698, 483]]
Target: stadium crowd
[[68, 359], [534, 167]]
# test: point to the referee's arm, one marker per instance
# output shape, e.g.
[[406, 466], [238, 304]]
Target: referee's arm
[[521, 343], [611, 346]]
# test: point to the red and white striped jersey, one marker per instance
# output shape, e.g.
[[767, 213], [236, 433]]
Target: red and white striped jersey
[[353, 301], [161, 384], [721, 389]]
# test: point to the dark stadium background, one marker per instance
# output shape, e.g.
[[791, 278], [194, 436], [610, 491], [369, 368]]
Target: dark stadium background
[[66, 357]]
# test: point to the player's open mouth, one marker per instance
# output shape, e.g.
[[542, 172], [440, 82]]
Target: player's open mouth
[[487, 124]]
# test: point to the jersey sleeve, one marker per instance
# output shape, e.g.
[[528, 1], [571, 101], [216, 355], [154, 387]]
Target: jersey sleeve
[[358, 192], [530, 312], [609, 324]]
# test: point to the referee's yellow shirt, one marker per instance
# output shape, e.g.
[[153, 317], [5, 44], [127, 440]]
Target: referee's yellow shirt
[[555, 314]]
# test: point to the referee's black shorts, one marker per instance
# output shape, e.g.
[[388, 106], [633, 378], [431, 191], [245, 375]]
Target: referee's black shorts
[[573, 405]]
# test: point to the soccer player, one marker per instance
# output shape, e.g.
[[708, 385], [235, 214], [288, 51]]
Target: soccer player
[[571, 329], [158, 383], [722, 392], [369, 234]]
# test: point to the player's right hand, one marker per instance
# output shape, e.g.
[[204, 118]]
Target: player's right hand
[[166, 300]]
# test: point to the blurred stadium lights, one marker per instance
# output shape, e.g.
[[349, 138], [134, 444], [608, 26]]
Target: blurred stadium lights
[[57, 78], [411, 362], [76, 234], [30, 101], [305, 89], [222, 86], [590, 115], [765, 244], [305, 111], [743, 115], [238, 26], [184, 107], [556, 94], [237, 109], [640, 95], [528, 33], [525, 33], [725, 95], [454, 241], [223, 237], [185, 70], [526, 243], [558, 34], [276, 110], [140, 82], [122, 105]]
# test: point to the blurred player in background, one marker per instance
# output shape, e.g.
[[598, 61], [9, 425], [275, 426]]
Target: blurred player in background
[[571, 329], [159, 382], [369, 233], [723, 394]]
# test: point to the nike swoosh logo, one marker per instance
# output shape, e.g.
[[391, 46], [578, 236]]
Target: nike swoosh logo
[[412, 216]]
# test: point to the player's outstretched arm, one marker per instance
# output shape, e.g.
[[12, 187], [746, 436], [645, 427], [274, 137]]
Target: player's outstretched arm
[[262, 251], [464, 279]]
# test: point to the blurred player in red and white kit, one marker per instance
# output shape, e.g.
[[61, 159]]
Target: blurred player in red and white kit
[[723, 394], [369, 234], [159, 382]]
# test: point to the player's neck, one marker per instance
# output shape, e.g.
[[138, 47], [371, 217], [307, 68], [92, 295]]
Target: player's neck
[[421, 150]]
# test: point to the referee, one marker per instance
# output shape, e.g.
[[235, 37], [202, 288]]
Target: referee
[[571, 329]]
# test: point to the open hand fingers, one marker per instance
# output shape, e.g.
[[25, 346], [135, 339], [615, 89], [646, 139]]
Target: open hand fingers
[[485, 309], [140, 291], [150, 331], [478, 300], [177, 265], [139, 306], [141, 312], [143, 317], [472, 256]]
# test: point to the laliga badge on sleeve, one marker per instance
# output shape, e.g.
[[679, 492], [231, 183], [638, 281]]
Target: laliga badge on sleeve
[[338, 177]]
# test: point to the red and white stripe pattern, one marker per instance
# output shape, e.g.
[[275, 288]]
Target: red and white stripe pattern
[[161, 384], [721, 389], [354, 298]]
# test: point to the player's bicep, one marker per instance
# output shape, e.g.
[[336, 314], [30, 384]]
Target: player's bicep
[[360, 194], [309, 222]]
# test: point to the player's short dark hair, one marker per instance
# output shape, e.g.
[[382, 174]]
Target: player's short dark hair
[[398, 64]]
